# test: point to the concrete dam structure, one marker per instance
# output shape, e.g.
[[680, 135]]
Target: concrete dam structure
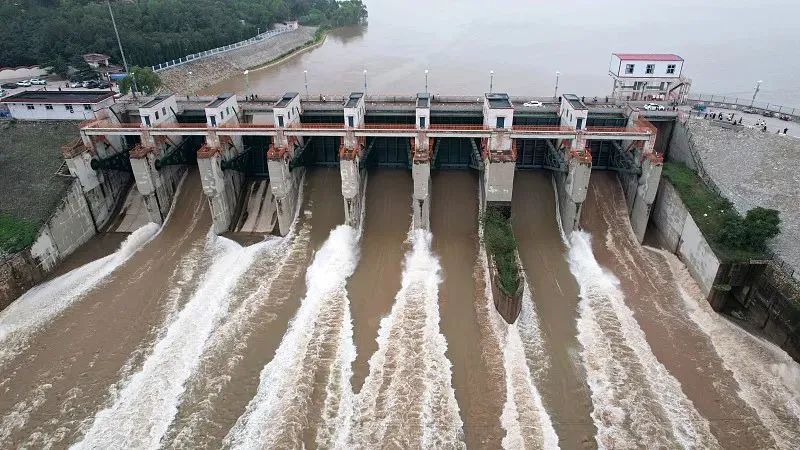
[[275, 139], [361, 310]]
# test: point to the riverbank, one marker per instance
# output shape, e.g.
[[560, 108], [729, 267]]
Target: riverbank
[[214, 69]]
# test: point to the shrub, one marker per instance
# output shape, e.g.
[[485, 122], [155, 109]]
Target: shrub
[[15, 234], [499, 238]]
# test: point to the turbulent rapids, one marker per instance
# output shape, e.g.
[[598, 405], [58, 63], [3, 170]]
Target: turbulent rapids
[[383, 335]]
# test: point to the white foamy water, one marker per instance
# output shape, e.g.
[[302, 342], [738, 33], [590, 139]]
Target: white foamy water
[[44, 302], [637, 402], [319, 340], [524, 418], [229, 340], [144, 408], [407, 400], [768, 378]]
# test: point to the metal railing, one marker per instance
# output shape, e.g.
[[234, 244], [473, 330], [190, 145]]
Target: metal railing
[[733, 102], [218, 50]]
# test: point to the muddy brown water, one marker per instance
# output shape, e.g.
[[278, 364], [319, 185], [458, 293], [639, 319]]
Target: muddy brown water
[[66, 373], [650, 291], [479, 389], [374, 284], [555, 296]]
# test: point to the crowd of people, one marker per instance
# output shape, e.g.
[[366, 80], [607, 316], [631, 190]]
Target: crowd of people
[[731, 118]]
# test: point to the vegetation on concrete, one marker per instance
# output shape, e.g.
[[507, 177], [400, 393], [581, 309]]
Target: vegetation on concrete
[[733, 237], [147, 80], [30, 155], [15, 234], [499, 238], [56, 32]]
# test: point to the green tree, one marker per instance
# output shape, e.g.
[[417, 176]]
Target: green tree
[[752, 231], [147, 81]]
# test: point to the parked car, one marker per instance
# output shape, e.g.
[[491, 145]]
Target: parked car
[[654, 107], [91, 84], [768, 114], [749, 111], [9, 85], [38, 81], [103, 85], [532, 104], [2, 92], [24, 83], [75, 84]]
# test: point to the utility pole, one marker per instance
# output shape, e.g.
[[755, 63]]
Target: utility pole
[[121, 52], [758, 87], [247, 82], [365, 84], [491, 81], [305, 75], [426, 81], [555, 92]]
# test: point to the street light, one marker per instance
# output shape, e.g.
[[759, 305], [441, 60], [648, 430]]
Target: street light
[[305, 75], [758, 87], [365, 83], [555, 92], [247, 81], [491, 80], [426, 81]]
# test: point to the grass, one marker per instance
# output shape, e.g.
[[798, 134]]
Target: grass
[[709, 210], [500, 241], [16, 234], [30, 154]]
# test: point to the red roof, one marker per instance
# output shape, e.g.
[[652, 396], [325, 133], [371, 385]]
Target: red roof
[[95, 57], [648, 57]]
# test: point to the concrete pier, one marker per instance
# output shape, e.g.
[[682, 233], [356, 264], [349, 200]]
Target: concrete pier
[[421, 164], [350, 160], [573, 184], [284, 180], [222, 187], [499, 152]]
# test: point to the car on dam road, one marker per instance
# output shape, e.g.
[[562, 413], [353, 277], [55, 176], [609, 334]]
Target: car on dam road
[[533, 104], [653, 107]]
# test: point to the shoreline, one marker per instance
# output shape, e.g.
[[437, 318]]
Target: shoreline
[[195, 76], [292, 53]]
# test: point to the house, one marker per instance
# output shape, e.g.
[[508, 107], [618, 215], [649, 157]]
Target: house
[[648, 76], [99, 63], [57, 105], [292, 24], [95, 60]]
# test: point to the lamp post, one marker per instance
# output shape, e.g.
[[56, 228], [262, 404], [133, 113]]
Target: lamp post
[[758, 87], [491, 80], [121, 52], [365, 83], [555, 92], [426, 81], [305, 76], [247, 81]]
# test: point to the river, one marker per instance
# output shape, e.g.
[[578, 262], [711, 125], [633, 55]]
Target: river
[[726, 49], [385, 336]]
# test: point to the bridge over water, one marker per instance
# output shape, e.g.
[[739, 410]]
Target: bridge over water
[[234, 140]]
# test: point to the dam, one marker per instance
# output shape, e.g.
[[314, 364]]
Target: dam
[[313, 276]]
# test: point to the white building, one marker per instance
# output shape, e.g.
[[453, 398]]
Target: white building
[[648, 76], [57, 105]]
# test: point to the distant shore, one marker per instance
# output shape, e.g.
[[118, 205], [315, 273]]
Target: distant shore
[[198, 75]]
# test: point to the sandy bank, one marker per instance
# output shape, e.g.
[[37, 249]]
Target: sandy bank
[[214, 69]]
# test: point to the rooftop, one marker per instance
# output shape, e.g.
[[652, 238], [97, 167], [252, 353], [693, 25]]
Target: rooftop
[[352, 101], [95, 57], [648, 56], [158, 99], [287, 97], [65, 97], [497, 101], [575, 102], [220, 99]]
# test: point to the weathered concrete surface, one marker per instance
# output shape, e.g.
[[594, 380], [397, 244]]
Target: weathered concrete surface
[[680, 235], [212, 70], [421, 204], [285, 186], [753, 168]]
